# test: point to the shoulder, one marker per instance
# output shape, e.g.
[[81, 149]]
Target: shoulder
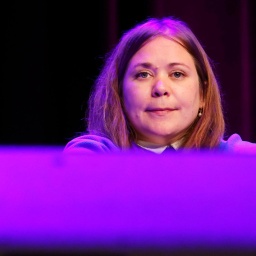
[[235, 144], [90, 144]]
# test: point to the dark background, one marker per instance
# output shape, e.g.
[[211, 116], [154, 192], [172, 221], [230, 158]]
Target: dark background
[[53, 51]]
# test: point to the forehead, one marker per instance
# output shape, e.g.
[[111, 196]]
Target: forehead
[[163, 49]]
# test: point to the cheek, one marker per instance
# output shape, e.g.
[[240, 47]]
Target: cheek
[[134, 97], [190, 100], [128, 99], [131, 102]]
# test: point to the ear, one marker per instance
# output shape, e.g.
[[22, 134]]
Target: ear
[[201, 104], [202, 99]]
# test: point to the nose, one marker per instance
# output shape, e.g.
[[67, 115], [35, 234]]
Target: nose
[[160, 89]]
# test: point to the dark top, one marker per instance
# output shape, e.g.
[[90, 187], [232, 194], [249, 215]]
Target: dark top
[[98, 144]]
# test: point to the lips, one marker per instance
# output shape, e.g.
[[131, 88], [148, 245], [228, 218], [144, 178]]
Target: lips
[[160, 111]]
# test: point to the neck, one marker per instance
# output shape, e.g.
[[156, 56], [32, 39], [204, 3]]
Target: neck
[[150, 145]]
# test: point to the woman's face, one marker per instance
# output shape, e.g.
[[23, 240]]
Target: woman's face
[[161, 91]]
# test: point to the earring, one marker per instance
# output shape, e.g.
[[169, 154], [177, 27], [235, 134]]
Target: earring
[[200, 112]]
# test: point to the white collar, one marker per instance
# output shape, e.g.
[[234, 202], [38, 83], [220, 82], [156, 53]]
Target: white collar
[[156, 148]]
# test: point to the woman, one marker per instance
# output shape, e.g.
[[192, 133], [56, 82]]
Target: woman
[[157, 90]]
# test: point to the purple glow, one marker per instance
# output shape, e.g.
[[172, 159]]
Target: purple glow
[[51, 199]]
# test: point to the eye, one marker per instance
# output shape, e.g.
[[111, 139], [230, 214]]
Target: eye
[[177, 74], [142, 74]]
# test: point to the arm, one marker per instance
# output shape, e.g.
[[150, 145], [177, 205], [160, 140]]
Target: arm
[[235, 144], [91, 144]]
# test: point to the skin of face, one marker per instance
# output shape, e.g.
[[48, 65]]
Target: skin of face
[[161, 91]]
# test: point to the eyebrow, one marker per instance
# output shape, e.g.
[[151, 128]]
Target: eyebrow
[[178, 64], [149, 65], [143, 64]]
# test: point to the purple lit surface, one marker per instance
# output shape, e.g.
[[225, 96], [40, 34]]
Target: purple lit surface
[[122, 201]]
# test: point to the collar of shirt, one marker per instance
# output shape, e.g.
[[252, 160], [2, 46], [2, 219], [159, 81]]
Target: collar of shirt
[[155, 148]]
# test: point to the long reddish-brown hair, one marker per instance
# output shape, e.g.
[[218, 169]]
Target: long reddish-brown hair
[[106, 115]]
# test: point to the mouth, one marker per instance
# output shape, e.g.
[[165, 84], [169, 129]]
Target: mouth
[[160, 111]]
